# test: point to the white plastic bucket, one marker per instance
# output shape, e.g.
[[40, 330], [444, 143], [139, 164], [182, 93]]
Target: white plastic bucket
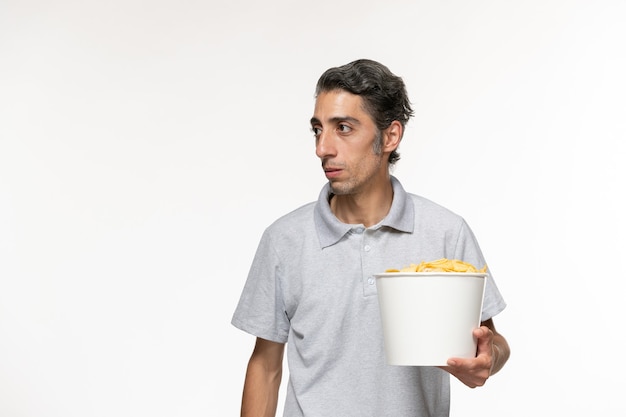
[[428, 317]]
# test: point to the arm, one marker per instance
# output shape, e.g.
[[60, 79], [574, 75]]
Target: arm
[[260, 390], [492, 353]]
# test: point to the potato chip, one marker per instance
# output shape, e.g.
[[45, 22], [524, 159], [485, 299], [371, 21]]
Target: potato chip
[[440, 265]]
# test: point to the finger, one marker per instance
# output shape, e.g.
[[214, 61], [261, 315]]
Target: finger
[[458, 363], [482, 331], [484, 339]]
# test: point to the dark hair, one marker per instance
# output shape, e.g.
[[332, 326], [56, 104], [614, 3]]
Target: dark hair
[[384, 94]]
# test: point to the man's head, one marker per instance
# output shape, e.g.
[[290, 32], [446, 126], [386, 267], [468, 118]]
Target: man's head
[[383, 93]]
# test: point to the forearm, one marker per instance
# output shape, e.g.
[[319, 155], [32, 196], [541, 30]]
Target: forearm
[[260, 392], [501, 353]]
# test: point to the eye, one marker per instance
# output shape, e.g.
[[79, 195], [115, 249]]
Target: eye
[[316, 130], [344, 128]]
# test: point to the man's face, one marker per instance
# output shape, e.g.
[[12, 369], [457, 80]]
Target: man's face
[[345, 135]]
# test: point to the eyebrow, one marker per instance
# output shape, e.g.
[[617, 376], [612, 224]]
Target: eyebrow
[[337, 119]]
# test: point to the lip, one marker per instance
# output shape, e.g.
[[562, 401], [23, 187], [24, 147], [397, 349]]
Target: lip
[[332, 172]]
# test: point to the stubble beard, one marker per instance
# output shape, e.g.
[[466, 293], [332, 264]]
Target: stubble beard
[[353, 185]]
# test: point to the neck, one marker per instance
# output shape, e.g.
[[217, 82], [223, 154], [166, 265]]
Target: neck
[[367, 208]]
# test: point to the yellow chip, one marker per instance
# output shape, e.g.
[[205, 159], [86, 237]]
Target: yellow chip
[[440, 265]]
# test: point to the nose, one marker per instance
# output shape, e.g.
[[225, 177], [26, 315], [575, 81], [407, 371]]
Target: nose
[[324, 145]]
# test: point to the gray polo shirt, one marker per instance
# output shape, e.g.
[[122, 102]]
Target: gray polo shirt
[[311, 284]]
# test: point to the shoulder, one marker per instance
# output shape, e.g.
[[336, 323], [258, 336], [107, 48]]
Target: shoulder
[[424, 205], [414, 212], [294, 220], [433, 217], [286, 234]]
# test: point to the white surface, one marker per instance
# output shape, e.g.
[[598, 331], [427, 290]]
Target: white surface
[[428, 318], [144, 146]]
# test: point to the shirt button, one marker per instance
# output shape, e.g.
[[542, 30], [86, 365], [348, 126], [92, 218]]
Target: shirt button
[[371, 280], [358, 230], [367, 248]]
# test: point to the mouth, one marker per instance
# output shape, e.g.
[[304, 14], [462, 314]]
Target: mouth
[[332, 172]]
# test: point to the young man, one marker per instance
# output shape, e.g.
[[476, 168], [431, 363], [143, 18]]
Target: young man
[[311, 282]]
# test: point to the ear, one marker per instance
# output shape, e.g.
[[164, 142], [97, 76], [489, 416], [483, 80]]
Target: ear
[[392, 136]]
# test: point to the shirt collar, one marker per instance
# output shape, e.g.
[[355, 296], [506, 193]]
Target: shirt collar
[[330, 230]]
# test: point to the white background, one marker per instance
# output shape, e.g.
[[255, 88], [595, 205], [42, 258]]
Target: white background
[[145, 145]]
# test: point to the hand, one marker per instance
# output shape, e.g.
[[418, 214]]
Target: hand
[[474, 372]]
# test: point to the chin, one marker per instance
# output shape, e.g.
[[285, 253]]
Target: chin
[[338, 189]]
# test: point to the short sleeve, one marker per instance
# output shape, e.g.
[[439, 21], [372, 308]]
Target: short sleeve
[[261, 310], [467, 249]]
